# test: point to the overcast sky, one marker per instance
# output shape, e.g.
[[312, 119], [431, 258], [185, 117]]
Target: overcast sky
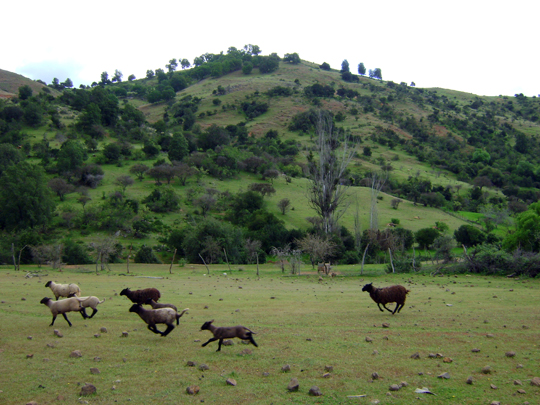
[[476, 46]]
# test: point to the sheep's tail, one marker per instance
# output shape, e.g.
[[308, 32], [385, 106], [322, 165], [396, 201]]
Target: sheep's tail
[[251, 331], [101, 302]]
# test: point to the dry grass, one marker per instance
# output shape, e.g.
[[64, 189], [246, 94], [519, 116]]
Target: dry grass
[[299, 321]]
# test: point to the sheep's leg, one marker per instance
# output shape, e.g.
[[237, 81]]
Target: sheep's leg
[[210, 340], [398, 308], [250, 338], [384, 306], [83, 313], [67, 320], [53, 319], [155, 330], [219, 347], [170, 327], [379, 305], [94, 311]]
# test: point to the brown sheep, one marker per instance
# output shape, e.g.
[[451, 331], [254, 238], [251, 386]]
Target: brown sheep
[[383, 296], [141, 296], [227, 333]]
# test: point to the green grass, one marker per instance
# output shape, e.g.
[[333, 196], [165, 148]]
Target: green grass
[[299, 321]]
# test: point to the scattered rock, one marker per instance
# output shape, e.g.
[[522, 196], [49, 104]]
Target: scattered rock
[[375, 375], [521, 391], [475, 350], [265, 374], [446, 376], [308, 339], [246, 351], [490, 335], [286, 368], [88, 389], [95, 370], [536, 381], [519, 366], [23, 299], [231, 381], [432, 355], [103, 329], [327, 375], [486, 370], [125, 334], [447, 360], [494, 403], [493, 386], [510, 354], [58, 333], [369, 340], [203, 367], [32, 403], [293, 385], [76, 353], [97, 335], [517, 382], [415, 355], [197, 340], [404, 384], [29, 338], [386, 325], [315, 391], [385, 337], [29, 356], [394, 387], [228, 342], [470, 380], [191, 363], [193, 389], [375, 352], [329, 368], [97, 358]]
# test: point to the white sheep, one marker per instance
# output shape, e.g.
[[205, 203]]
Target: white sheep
[[62, 306], [63, 290], [89, 302], [157, 316]]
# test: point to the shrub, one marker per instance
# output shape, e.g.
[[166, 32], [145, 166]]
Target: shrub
[[146, 255]]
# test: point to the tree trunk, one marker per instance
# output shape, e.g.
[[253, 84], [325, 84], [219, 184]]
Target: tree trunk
[[258, 266], [227, 259], [172, 261], [207, 269], [363, 259], [19, 261], [391, 261], [13, 255]]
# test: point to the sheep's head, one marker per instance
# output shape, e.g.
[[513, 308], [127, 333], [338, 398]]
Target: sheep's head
[[44, 300], [206, 325], [368, 287], [124, 291], [48, 283], [135, 308]]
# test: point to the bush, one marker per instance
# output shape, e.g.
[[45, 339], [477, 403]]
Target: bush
[[146, 255], [350, 257], [75, 253]]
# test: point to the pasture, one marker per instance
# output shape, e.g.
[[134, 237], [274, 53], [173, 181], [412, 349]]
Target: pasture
[[299, 321]]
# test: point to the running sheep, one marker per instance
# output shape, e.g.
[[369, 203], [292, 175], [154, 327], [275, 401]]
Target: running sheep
[[63, 290], [62, 306], [89, 302], [141, 296], [152, 317], [383, 296], [157, 305], [229, 332]]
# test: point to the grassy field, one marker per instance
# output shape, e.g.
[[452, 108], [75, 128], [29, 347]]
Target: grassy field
[[300, 321]]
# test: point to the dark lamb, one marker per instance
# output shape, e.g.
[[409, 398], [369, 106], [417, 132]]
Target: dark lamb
[[229, 332], [383, 296], [141, 296]]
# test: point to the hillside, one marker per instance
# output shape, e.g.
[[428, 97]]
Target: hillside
[[10, 83], [447, 155]]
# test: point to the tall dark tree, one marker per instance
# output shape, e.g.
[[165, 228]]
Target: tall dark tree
[[345, 66], [361, 69], [25, 92], [25, 201], [178, 148]]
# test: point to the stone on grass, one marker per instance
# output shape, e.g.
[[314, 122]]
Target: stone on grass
[[510, 354], [475, 350], [493, 386], [32, 403], [470, 380], [315, 391], [29, 356], [246, 351], [490, 335], [486, 370], [375, 375], [517, 382], [432, 355], [203, 367], [404, 384], [58, 333], [415, 355], [386, 325], [447, 360], [535, 381], [293, 385], [327, 375], [228, 342], [394, 387], [445, 376], [495, 403], [97, 335], [29, 338], [76, 353], [231, 381], [193, 389], [369, 340], [97, 358], [88, 389], [329, 368], [94, 370], [103, 329], [125, 334], [265, 374], [286, 368], [519, 366], [521, 391]]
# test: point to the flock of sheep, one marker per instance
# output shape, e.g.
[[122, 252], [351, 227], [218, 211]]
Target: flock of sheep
[[167, 314]]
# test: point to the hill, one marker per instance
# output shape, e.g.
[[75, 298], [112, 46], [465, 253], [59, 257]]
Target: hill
[[10, 83], [234, 120]]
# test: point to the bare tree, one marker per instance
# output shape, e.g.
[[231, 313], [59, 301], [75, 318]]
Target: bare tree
[[139, 170], [252, 249], [282, 254], [205, 202], [395, 202], [326, 191], [284, 205], [124, 182], [105, 248], [377, 181], [263, 188], [318, 248]]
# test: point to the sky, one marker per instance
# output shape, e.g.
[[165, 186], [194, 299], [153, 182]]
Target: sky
[[476, 46]]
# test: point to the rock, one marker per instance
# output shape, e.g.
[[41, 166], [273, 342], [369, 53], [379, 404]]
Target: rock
[[266, 374], [445, 376], [415, 355], [375, 352], [535, 381], [29, 338], [385, 337], [327, 375], [103, 329], [494, 403], [490, 335], [369, 340], [191, 363], [432, 355], [469, 380], [95, 370], [519, 366], [375, 375], [293, 385], [203, 367], [404, 384], [228, 342], [510, 354], [486, 370], [97, 358], [50, 345], [394, 387], [32, 403], [193, 389], [329, 368], [58, 333], [521, 391], [517, 382], [447, 360], [315, 391], [286, 368], [475, 350], [29, 356], [386, 325], [231, 381], [97, 335], [76, 353], [88, 389], [245, 352], [125, 334], [493, 386]]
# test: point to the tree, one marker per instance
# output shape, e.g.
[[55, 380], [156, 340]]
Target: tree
[[185, 63], [376, 73], [178, 147], [9, 155], [25, 201], [25, 92], [60, 187], [292, 58], [71, 156], [263, 188], [68, 83], [284, 205], [171, 66], [317, 247], [361, 69], [205, 202], [468, 235], [104, 78], [324, 66], [139, 169], [426, 236], [131, 77], [345, 66], [124, 181], [149, 73], [112, 152], [326, 191], [117, 76], [247, 67]]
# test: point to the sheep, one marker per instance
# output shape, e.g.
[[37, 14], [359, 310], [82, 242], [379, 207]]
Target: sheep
[[157, 305], [140, 296], [91, 302], [228, 333], [63, 290], [395, 293], [62, 306], [156, 316]]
